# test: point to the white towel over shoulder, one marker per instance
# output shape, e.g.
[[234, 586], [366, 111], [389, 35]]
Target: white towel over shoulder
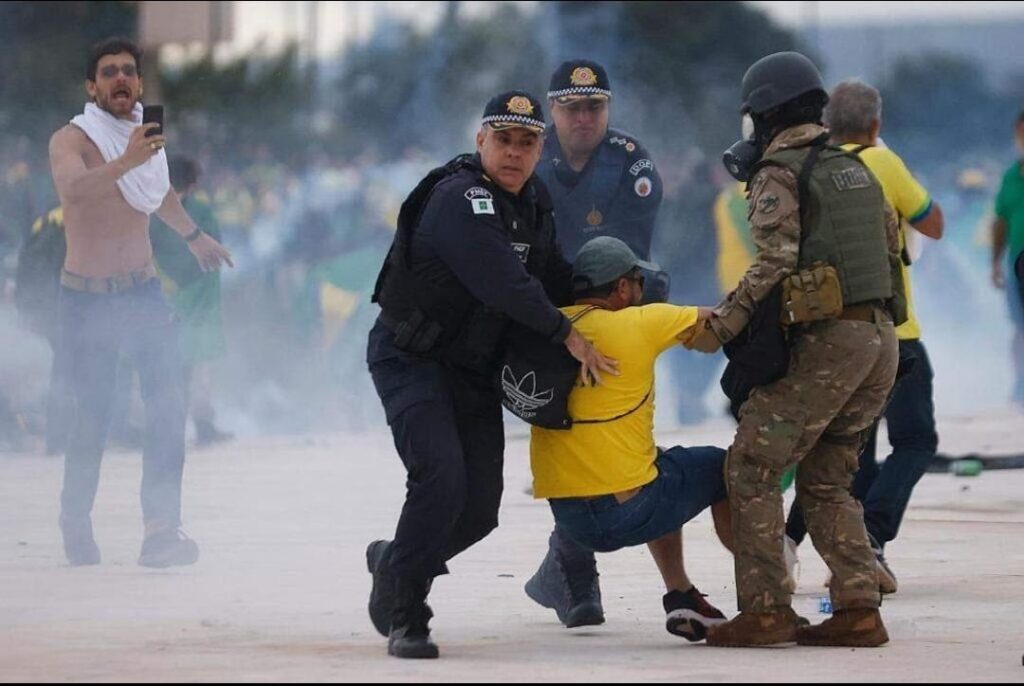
[[145, 186]]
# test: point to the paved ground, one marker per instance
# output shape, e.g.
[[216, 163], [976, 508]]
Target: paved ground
[[280, 592]]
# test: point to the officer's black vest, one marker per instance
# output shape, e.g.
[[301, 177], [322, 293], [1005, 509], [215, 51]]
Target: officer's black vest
[[428, 309]]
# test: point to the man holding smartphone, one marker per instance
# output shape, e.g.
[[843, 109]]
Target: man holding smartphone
[[110, 178]]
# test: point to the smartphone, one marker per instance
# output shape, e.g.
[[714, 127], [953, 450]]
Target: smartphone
[[153, 114]]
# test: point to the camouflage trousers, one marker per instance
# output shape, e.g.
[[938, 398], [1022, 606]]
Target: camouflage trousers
[[841, 373]]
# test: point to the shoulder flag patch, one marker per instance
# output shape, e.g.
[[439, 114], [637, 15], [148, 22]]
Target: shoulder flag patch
[[482, 205]]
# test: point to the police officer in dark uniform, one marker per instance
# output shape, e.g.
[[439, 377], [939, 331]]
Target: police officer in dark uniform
[[602, 183], [474, 254]]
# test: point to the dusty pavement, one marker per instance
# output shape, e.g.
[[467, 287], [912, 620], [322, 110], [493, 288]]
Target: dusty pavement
[[280, 591]]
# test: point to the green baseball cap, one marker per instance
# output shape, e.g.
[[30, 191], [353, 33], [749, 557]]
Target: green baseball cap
[[604, 259]]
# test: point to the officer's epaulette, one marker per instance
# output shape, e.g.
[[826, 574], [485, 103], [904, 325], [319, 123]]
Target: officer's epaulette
[[625, 141]]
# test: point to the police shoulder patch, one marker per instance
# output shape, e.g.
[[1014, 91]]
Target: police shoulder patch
[[640, 165], [478, 192], [643, 186], [480, 199], [482, 205], [767, 203]]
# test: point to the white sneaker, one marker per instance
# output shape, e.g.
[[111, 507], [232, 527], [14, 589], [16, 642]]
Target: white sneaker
[[792, 563]]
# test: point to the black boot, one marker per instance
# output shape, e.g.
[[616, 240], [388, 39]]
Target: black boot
[[410, 635], [567, 582], [382, 592]]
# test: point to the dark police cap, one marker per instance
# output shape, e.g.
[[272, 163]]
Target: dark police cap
[[514, 109], [578, 80]]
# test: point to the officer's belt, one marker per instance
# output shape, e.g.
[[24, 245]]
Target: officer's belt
[[870, 312], [107, 285]]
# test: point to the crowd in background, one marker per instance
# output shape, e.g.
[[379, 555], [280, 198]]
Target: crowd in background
[[309, 241]]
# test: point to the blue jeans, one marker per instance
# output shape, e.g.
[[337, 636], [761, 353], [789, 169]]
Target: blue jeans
[[885, 491], [689, 481], [94, 331], [1015, 296], [1015, 293]]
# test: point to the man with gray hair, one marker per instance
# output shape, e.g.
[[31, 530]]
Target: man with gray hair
[[854, 119]]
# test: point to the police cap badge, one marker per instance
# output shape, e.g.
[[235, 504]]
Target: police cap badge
[[514, 109], [579, 79]]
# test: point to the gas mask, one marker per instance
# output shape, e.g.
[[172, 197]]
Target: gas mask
[[742, 155]]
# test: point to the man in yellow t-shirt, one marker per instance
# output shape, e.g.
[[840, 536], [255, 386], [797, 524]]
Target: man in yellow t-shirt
[[854, 118], [608, 484]]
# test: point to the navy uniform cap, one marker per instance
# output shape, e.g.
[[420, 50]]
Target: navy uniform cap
[[578, 80], [514, 109]]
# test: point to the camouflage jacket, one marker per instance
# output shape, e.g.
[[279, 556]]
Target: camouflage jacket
[[774, 215]]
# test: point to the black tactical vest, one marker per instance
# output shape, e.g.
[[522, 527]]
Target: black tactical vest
[[425, 305]]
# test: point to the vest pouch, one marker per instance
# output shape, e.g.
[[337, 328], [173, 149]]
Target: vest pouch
[[416, 333], [811, 295]]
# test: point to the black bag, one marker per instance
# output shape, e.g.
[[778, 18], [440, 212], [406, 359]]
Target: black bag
[[759, 355], [536, 377]]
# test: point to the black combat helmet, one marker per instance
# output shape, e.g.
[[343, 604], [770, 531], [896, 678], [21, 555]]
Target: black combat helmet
[[777, 79]]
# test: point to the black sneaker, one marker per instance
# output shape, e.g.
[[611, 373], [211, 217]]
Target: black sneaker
[[79, 545], [382, 593], [168, 548], [689, 615], [886, 579]]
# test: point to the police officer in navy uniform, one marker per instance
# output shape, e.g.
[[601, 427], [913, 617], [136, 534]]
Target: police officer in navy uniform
[[474, 254], [602, 183]]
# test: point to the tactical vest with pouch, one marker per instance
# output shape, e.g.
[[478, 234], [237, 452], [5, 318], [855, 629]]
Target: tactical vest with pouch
[[842, 216]]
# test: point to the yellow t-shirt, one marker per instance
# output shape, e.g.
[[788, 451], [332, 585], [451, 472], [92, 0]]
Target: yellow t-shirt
[[911, 201], [599, 459]]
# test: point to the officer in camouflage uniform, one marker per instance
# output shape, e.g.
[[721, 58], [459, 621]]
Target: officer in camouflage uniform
[[810, 206]]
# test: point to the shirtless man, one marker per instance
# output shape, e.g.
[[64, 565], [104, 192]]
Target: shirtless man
[[109, 178]]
